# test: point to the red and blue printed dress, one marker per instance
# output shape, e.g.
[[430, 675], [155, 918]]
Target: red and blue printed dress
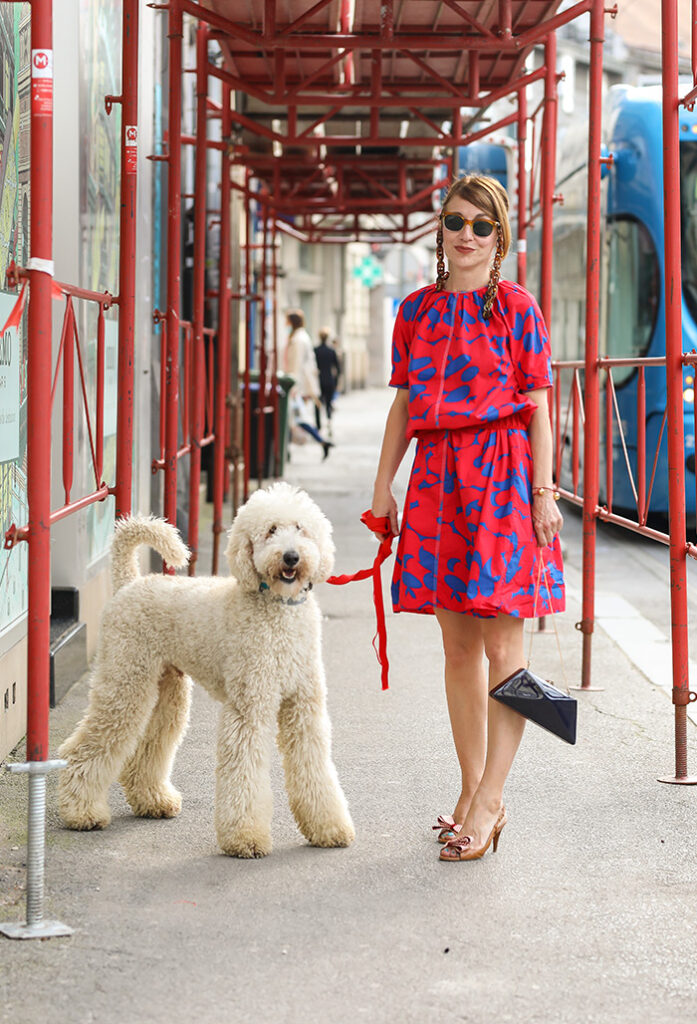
[[467, 542]]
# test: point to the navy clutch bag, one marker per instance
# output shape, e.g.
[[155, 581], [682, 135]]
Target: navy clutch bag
[[540, 702]]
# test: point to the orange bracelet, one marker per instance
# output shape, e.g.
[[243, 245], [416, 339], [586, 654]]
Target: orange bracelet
[[552, 490]]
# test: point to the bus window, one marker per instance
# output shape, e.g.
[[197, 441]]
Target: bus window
[[688, 219], [632, 294]]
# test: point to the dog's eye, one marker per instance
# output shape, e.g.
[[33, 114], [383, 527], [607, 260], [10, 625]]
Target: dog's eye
[[298, 527], [272, 530]]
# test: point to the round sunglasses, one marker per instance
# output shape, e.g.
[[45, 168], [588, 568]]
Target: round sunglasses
[[482, 227]]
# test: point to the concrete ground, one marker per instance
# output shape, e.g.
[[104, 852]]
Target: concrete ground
[[587, 913]]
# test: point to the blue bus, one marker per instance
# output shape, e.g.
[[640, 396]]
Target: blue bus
[[632, 280]]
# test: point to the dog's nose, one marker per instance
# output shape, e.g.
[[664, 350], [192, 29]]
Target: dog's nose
[[291, 558]]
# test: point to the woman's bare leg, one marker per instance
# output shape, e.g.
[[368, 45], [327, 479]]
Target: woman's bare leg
[[503, 645], [466, 692]]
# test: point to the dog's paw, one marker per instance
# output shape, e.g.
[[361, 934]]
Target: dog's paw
[[160, 803], [245, 845], [84, 819], [332, 835]]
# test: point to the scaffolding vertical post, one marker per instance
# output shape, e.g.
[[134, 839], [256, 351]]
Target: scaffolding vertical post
[[39, 475], [261, 411], [246, 391], [522, 206], [222, 382], [198, 355], [676, 439], [171, 396], [591, 435], [127, 259], [277, 438], [548, 144]]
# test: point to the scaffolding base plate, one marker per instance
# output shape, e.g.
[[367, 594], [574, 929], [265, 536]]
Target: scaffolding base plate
[[673, 780], [42, 930]]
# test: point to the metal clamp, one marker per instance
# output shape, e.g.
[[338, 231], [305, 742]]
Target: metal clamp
[[584, 626], [681, 697]]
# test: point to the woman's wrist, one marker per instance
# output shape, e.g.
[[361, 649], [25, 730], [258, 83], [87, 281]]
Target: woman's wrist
[[539, 491]]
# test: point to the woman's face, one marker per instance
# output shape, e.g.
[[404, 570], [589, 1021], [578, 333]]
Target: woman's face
[[469, 255]]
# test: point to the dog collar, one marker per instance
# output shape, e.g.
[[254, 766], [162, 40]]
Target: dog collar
[[300, 598]]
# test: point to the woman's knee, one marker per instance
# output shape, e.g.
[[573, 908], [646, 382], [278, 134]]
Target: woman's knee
[[502, 651]]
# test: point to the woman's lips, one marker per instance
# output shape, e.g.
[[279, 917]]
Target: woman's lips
[[463, 248]]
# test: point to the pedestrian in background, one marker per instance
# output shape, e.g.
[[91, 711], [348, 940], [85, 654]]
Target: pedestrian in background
[[328, 368], [300, 363], [479, 544]]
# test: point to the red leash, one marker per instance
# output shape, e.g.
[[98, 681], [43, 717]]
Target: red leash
[[376, 525]]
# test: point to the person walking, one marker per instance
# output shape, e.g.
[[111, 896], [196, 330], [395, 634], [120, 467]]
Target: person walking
[[478, 545], [299, 362], [328, 368]]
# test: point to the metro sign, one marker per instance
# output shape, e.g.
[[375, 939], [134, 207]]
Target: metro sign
[[130, 164], [42, 83], [42, 64]]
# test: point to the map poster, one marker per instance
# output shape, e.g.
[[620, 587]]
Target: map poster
[[15, 100]]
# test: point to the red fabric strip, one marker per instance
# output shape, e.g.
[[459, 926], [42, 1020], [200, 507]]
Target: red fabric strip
[[376, 525]]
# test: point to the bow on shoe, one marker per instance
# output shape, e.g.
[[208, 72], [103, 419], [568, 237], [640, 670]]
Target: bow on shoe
[[446, 822]]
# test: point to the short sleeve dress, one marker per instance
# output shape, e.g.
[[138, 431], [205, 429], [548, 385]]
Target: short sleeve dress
[[467, 542]]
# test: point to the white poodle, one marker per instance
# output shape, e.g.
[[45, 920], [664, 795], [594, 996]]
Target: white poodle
[[252, 641]]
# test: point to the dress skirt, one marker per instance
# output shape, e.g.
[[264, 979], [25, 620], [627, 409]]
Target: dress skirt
[[467, 542]]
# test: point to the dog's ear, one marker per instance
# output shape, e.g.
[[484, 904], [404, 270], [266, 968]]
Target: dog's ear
[[239, 556], [323, 536]]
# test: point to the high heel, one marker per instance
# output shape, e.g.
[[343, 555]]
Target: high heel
[[462, 848]]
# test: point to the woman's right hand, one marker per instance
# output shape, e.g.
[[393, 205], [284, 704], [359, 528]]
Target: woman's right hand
[[384, 504]]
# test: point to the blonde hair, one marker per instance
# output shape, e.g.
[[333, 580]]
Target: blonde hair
[[490, 196]]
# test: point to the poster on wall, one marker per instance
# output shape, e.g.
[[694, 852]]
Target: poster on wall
[[100, 162], [15, 82]]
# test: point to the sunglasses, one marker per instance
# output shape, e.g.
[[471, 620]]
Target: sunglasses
[[482, 227]]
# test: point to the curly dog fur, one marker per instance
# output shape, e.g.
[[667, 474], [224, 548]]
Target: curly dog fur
[[252, 640]]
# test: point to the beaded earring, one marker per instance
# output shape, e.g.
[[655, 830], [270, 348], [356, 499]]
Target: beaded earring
[[441, 273], [494, 278]]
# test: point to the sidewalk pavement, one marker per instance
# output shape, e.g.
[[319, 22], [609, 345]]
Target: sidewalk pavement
[[587, 913]]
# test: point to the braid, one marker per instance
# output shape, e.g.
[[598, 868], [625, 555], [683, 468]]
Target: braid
[[494, 278], [441, 273]]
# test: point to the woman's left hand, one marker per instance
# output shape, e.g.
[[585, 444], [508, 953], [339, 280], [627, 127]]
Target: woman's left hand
[[547, 520]]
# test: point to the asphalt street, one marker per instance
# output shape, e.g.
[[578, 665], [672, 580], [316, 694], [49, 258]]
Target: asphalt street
[[587, 913]]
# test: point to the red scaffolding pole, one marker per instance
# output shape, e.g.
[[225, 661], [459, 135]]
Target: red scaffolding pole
[[591, 437], [196, 394], [171, 396], [223, 377], [676, 440], [40, 270], [127, 258]]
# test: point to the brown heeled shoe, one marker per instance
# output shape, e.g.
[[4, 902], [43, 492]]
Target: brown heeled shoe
[[462, 846]]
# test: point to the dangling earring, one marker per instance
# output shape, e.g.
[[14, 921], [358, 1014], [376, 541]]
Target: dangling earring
[[494, 277], [441, 273]]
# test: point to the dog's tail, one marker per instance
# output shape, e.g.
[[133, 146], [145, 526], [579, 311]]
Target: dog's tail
[[130, 533]]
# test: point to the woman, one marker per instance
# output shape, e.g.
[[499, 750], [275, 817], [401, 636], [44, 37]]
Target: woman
[[478, 545], [299, 361]]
